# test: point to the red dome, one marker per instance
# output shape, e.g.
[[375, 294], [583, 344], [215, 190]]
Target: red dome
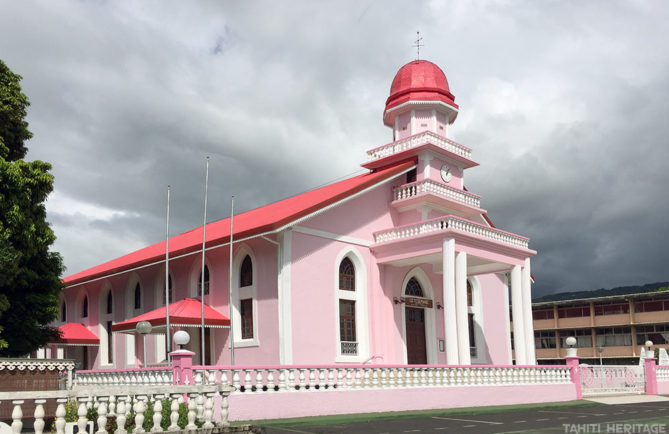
[[420, 80]]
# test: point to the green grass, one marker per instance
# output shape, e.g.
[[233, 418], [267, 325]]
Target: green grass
[[368, 417]]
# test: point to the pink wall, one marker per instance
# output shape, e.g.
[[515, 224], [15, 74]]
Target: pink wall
[[286, 405], [663, 387]]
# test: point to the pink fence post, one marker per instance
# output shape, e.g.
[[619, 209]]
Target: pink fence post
[[574, 373], [182, 367], [651, 376]]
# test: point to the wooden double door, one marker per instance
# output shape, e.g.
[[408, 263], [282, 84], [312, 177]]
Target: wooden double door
[[415, 336]]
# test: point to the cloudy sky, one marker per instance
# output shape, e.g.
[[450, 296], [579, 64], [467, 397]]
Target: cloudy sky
[[565, 105]]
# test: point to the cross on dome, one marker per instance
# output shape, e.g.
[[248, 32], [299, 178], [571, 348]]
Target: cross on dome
[[417, 44]]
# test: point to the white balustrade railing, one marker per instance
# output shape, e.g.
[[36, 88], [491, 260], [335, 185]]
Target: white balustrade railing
[[117, 402], [428, 186], [113, 377], [359, 377], [662, 373], [450, 222], [419, 140]]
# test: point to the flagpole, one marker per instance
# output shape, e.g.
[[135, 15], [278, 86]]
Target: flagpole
[[232, 329], [204, 237], [167, 277]]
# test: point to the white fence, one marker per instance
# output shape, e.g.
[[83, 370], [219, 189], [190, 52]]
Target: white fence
[[612, 380]]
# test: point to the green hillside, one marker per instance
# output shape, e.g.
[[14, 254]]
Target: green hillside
[[621, 290]]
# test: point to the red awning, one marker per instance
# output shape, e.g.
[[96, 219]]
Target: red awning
[[183, 313], [74, 333]]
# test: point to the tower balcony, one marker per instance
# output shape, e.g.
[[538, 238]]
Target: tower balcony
[[439, 195], [450, 223], [404, 148]]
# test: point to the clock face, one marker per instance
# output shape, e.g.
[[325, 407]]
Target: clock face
[[445, 173]]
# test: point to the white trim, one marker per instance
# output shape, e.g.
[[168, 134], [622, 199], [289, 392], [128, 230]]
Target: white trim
[[434, 102], [284, 298], [274, 231], [359, 296], [412, 119], [131, 312], [430, 320], [242, 293], [332, 236], [194, 278]]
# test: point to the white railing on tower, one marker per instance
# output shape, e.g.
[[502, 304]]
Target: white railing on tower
[[414, 141], [450, 222], [407, 191]]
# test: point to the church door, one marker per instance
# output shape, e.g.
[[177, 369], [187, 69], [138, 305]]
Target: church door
[[415, 329]]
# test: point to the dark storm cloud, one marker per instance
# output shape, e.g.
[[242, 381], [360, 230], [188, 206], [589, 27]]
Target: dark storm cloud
[[562, 103]]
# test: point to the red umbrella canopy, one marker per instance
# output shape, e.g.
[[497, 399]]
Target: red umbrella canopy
[[186, 312], [74, 333]]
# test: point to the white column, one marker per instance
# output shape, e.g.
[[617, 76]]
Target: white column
[[461, 307], [448, 285], [518, 314], [284, 299], [528, 323]]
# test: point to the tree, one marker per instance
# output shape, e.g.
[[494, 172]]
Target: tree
[[29, 273]]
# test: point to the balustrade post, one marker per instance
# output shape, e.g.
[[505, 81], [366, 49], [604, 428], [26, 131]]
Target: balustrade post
[[120, 416], [191, 412], [60, 416], [174, 413], [208, 412], [224, 410], [157, 414], [182, 367], [17, 417], [102, 417], [82, 421], [39, 416], [199, 404], [139, 408]]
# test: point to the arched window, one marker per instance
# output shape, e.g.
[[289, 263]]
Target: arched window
[[206, 282], [170, 290], [246, 272], [84, 307], [138, 297], [347, 275], [413, 288], [110, 302], [63, 311], [469, 293]]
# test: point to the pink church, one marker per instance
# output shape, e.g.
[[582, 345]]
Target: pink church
[[400, 265]]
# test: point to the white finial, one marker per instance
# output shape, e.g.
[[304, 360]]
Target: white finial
[[417, 44]]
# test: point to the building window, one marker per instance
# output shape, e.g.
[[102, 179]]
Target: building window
[[347, 327], [84, 307], [472, 335], [543, 314], [246, 313], [169, 289], [544, 339], [346, 275], [469, 294], [206, 282], [411, 176], [110, 302], [413, 288], [657, 333], [573, 312], [612, 308], [110, 342], [651, 306], [583, 338], [63, 311], [138, 297], [246, 272], [614, 337]]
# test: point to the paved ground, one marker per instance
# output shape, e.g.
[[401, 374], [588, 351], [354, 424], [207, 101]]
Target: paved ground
[[595, 419]]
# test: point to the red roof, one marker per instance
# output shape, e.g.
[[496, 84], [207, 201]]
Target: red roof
[[74, 333], [420, 80], [254, 222], [186, 311]]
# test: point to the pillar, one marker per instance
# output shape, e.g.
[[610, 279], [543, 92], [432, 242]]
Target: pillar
[[517, 311], [574, 374], [651, 375], [448, 286], [461, 311], [182, 367], [530, 354]]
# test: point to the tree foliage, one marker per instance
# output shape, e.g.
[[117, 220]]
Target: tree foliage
[[29, 273]]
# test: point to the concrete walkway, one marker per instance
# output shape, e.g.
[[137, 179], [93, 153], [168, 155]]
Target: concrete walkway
[[627, 399]]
